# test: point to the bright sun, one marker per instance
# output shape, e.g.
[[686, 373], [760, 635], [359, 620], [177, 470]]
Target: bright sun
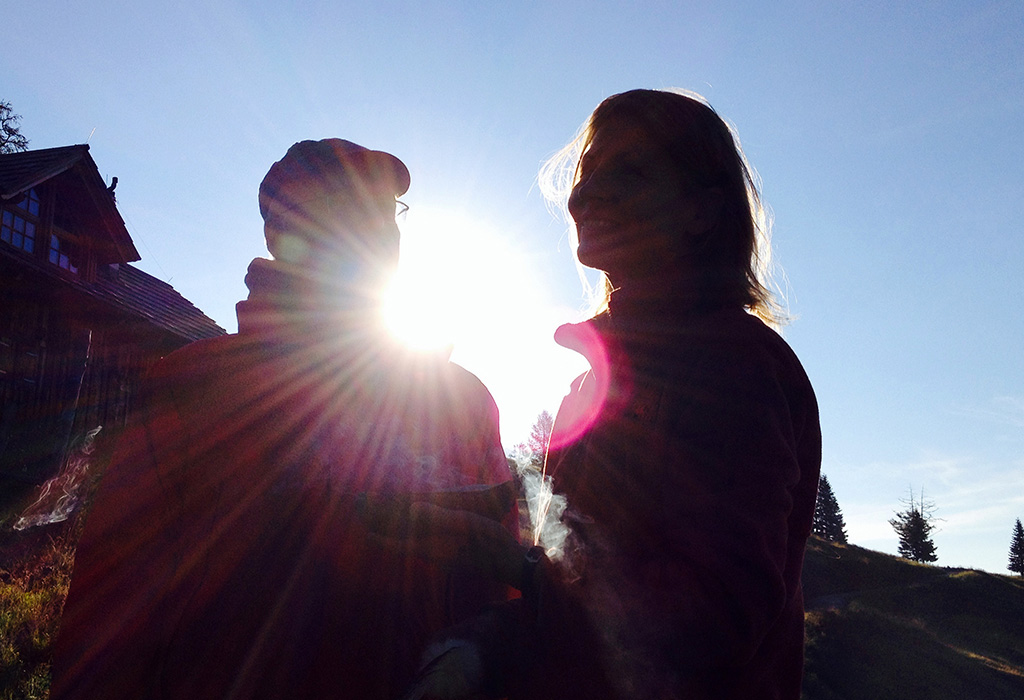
[[455, 275], [463, 283]]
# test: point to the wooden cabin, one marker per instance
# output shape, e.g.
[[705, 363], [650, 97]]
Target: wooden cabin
[[79, 326]]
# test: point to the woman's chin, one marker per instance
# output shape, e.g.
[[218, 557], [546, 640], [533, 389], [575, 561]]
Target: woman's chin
[[596, 257]]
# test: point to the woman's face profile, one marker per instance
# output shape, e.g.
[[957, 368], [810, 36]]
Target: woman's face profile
[[630, 204]]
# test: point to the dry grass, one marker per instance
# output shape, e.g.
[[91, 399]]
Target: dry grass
[[34, 579], [883, 628], [36, 563]]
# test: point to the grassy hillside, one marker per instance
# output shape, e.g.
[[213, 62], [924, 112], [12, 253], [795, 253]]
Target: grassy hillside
[[880, 627]]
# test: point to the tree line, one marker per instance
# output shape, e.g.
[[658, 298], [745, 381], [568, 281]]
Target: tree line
[[913, 524]]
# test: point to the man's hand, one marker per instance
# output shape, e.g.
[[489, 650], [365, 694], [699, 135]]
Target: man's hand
[[444, 536], [452, 671]]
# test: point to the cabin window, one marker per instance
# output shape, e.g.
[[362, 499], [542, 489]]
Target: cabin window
[[18, 226], [18, 231], [60, 254], [29, 202]]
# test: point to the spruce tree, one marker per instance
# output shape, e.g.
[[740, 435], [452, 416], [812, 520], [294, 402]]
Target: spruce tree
[[914, 527], [1017, 550], [828, 521]]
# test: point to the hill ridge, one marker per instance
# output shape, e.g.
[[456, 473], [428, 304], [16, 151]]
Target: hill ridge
[[881, 627]]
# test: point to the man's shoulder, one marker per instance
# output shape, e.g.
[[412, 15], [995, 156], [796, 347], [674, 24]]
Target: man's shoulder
[[432, 371], [223, 354], [462, 377], [459, 391]]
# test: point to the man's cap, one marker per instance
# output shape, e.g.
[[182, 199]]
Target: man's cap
[[312, 169]]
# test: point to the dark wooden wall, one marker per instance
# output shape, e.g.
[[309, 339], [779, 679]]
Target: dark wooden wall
[[66, 368]]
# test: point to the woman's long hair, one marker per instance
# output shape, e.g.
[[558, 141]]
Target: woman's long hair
[[736, 253]]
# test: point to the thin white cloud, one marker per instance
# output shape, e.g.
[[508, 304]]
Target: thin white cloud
[[1001, 410]]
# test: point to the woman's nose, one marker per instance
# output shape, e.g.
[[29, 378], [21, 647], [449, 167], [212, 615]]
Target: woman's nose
[[576, 199], [584, 191]]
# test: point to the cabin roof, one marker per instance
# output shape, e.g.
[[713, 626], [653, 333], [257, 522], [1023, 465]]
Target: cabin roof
[[24, 170], [128, 291], [158, 302], [117, 284], [21, 171]]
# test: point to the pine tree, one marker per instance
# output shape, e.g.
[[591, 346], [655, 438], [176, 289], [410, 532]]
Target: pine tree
[[914, 526], [1017, 550], [540, 435], [11, 138], [828, 522]]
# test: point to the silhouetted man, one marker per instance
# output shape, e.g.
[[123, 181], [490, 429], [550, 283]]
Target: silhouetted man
[[224, 556]]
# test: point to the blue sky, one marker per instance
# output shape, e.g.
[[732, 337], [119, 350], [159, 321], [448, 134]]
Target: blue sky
[[888, 137]]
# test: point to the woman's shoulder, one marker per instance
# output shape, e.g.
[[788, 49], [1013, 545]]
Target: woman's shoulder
[[764, 352], [734, 354], [749, 334]]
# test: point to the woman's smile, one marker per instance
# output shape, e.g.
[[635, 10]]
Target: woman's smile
[[630, 205]]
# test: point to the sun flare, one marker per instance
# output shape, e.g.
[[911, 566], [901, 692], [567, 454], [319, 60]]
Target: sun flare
[[464, 284], [455, 275]]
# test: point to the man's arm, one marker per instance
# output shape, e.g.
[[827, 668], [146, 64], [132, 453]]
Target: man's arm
[[119, 606]]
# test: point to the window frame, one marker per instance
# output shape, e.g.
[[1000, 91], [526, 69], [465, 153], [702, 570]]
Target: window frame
[[63, 251], [20, 222]]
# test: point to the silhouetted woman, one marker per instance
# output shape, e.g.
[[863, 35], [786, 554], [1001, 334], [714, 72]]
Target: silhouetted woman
[[689, 453]]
